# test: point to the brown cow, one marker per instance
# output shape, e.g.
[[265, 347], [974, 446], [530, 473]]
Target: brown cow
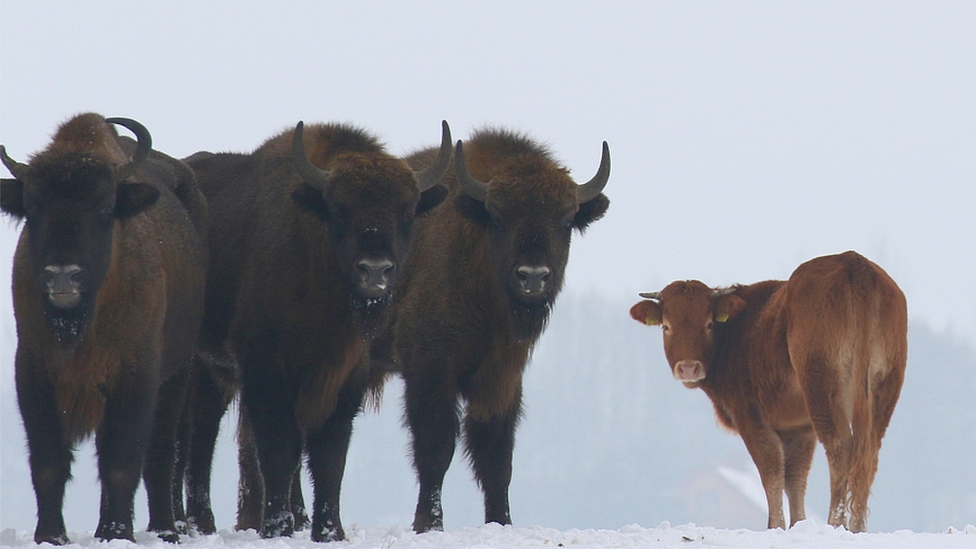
[[474, 298], [108, 287], [308, 234], [821, 355]]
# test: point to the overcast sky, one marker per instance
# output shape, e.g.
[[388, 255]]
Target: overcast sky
[[746, 137]]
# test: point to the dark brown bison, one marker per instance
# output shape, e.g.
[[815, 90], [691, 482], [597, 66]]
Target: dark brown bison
[[821, 355], [108, 292], [474, 297], [308, 235]]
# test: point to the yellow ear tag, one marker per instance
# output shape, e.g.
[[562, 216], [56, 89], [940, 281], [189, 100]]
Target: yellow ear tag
[[721, 316]]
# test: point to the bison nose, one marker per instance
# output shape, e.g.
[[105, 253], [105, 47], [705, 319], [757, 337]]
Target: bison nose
[[689, 371], [533, 278], [376, 272], [64, 284]]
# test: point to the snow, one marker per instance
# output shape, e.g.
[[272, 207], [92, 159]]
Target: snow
[[808, 533]]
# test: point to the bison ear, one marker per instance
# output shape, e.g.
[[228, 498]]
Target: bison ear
[[311, 200], [134, 198], [646, 312], [727, 307], [430, 199], [12, 198], [472, 209], [591, 211]]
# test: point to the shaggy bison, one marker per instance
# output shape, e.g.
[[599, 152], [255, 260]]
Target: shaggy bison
[[108, 290], [308, 236], [821, 355], [474, 297]]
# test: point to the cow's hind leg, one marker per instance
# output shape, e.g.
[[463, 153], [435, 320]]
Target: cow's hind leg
[[798, 448], [160, 458], [433, 417], [49, 455], [830, 421], [490, 442], [327, 450]]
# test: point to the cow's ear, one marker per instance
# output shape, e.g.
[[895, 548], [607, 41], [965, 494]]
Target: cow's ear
[[12, 198], [311, 200], [134, 198], [727, 307], [591, 211], [430, 199], [646, 312], [472, 209]]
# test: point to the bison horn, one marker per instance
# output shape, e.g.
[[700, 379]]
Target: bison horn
[[143, 145], [16, 168], [477, 190], [589, 190], [428, 178], [312, 175], [651, 295]]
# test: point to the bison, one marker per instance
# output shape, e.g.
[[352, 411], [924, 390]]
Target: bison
[[821, 355], [108, 288], [308, 236], [474, 297]]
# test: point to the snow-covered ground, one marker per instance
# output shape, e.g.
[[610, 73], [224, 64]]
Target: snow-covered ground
[[807, 534]]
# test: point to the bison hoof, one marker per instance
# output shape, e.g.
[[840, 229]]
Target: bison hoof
[[328, 534], [53, 539], [169, 536], [428, 524], [114, 530], [282, 524]]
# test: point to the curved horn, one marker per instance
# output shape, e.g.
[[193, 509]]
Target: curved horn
[[477, 190], [651, 295], [589, 190], [143, 146], [312, 175], [427, 178], [723, 291], [16, 168]]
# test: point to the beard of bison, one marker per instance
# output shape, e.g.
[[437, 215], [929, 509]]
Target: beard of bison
[[530, 318], [68, 325], [368, 313]]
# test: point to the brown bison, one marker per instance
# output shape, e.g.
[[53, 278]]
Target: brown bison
[[821, 355], [108, 295], [308, 235], [474, 297]]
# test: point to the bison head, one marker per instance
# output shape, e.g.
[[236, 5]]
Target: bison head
[[687, 312], [529, 208], [369, 201], [71, 196]]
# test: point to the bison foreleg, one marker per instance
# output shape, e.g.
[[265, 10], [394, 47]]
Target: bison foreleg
[[121, 444], [158, 471], [279, 449], [207, 402], [50, 457], [766, 449], [327, 449], [490, 442], [433, 416]]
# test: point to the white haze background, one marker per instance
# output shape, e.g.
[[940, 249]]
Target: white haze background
[[746, 137]]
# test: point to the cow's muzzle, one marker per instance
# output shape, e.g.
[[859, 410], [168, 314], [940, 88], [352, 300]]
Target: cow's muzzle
[[63, 285], [689, 371]]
